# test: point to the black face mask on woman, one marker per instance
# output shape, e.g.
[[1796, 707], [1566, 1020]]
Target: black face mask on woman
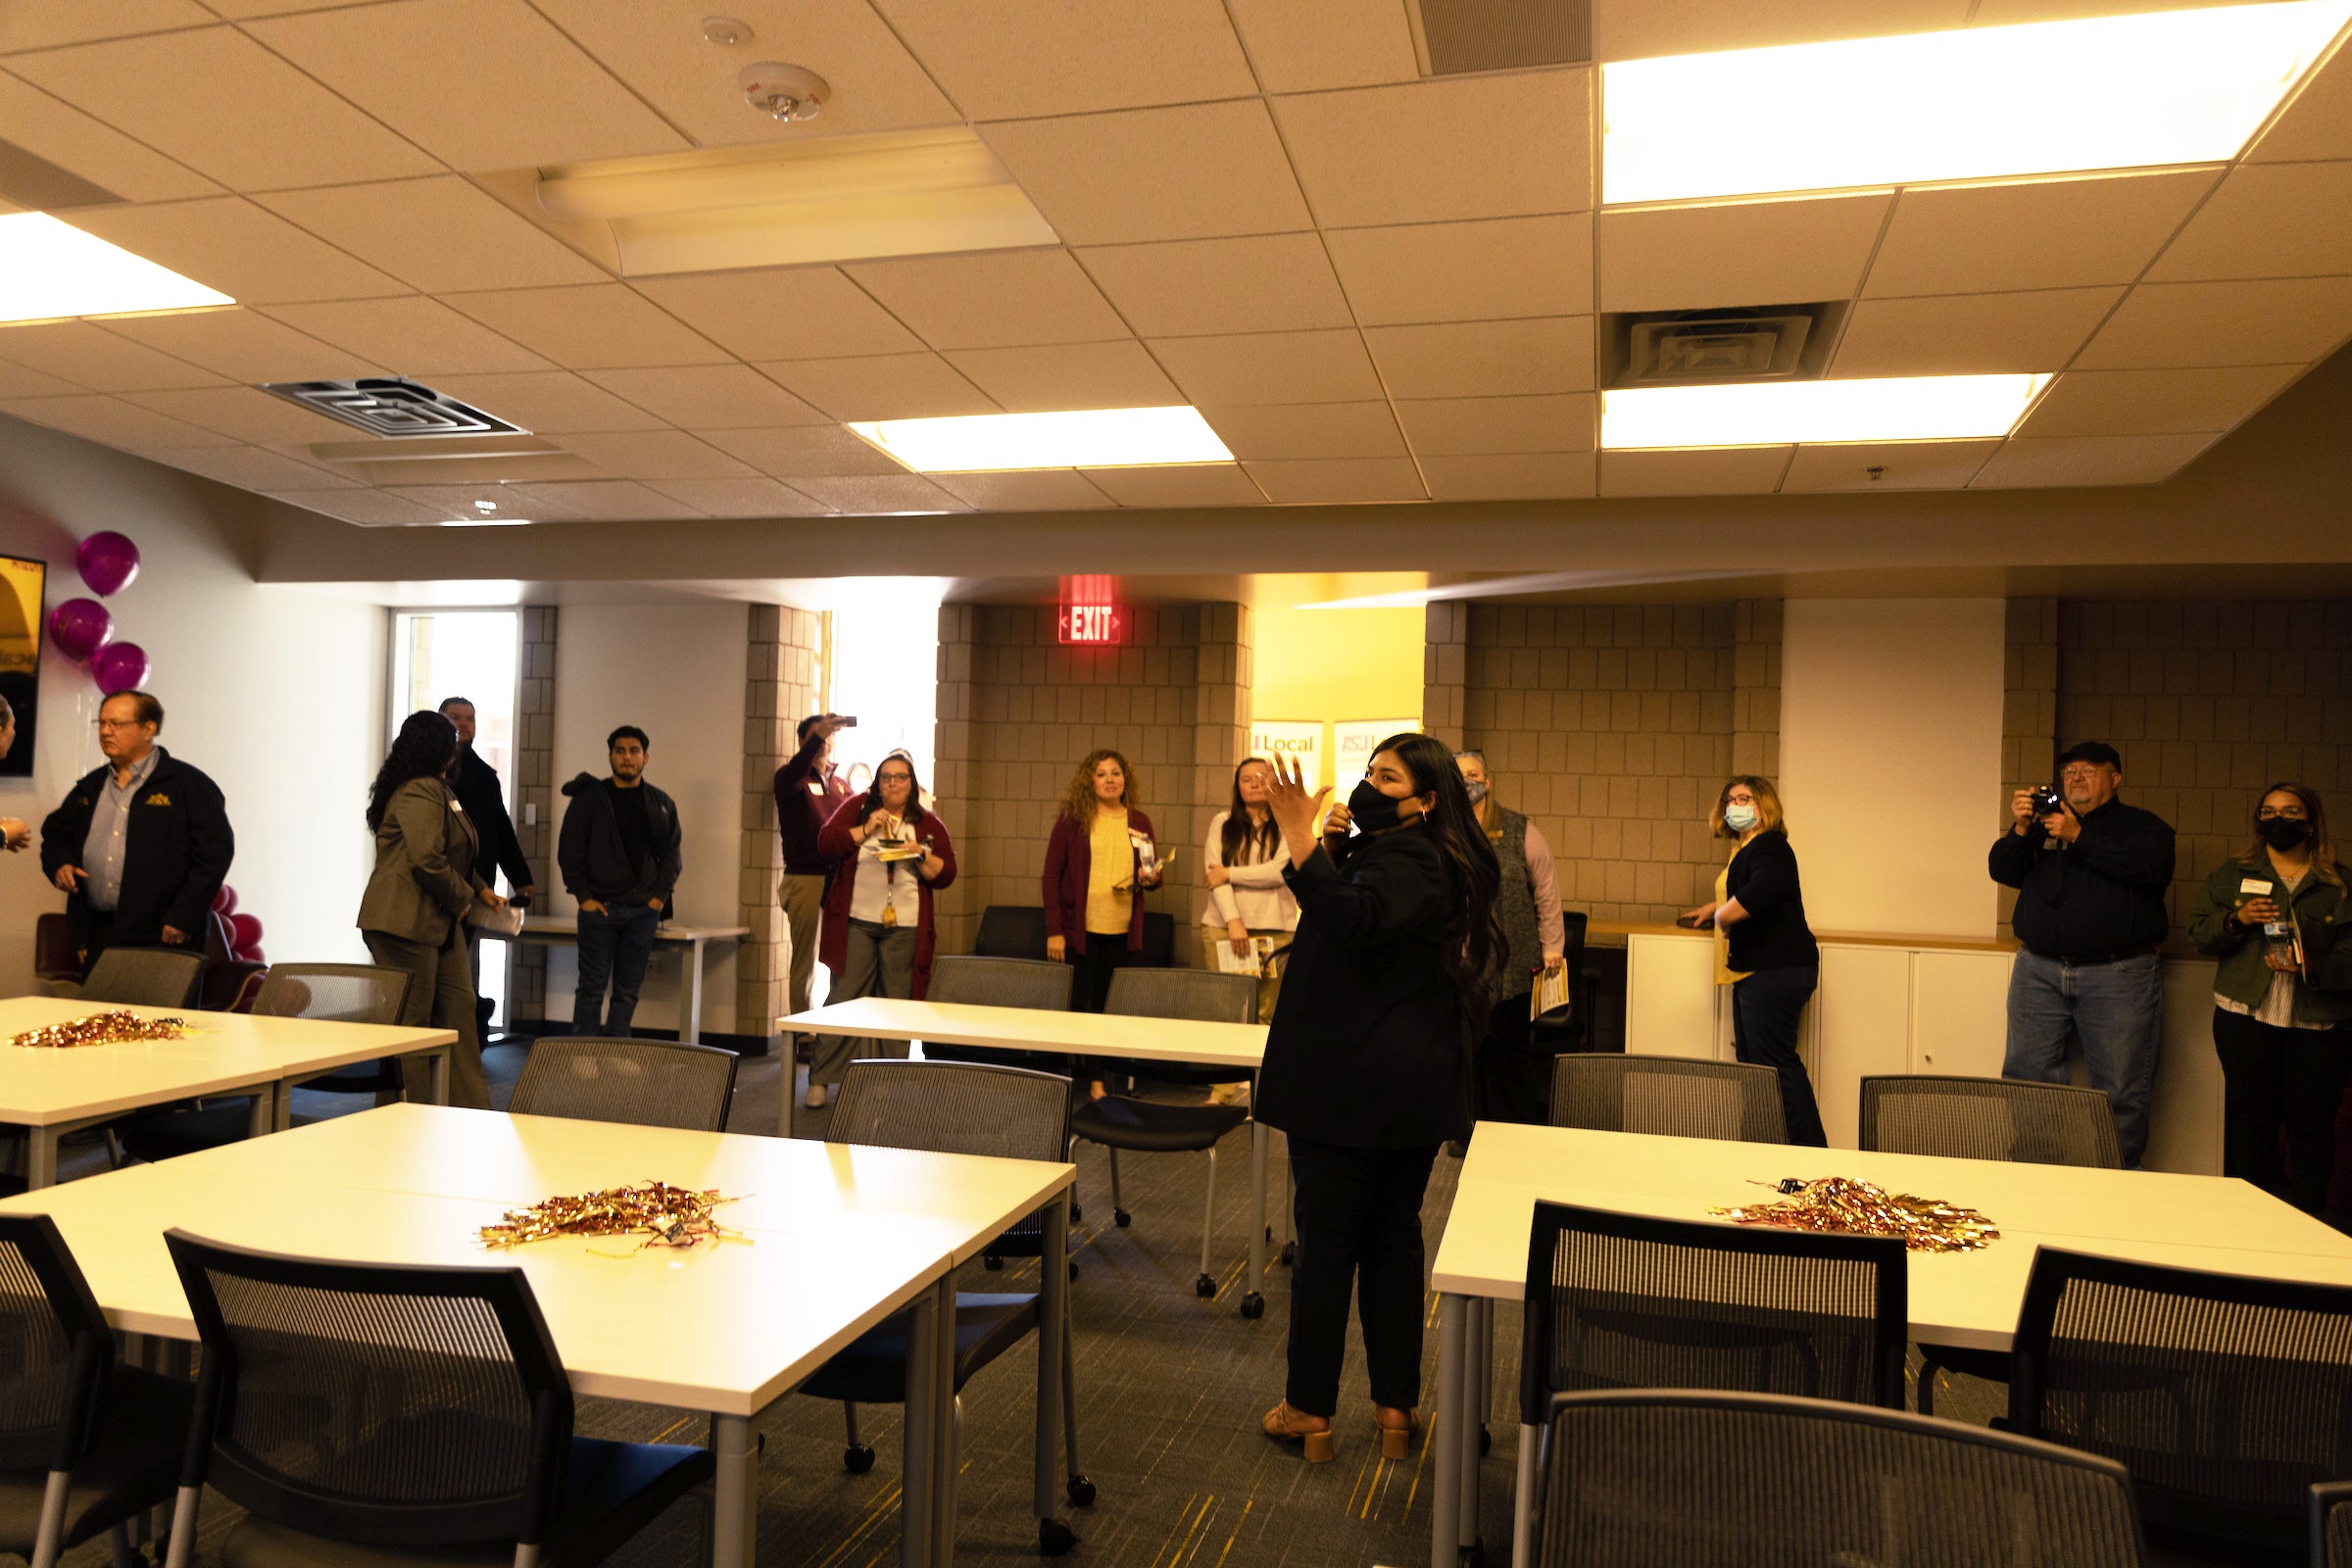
[[2278, 832], [1371, 811]]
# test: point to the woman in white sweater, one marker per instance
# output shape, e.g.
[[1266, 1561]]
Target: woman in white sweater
[[1248, 899]]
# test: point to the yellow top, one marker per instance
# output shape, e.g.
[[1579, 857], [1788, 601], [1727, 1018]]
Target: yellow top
[[1110, 909], [1725, 975]]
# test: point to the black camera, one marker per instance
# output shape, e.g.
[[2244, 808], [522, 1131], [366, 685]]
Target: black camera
[[2047, 799]]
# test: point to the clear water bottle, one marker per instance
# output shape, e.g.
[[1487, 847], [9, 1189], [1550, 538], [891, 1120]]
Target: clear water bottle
[[2278, 943]]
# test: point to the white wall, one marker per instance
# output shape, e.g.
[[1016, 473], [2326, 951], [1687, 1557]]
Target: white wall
[[1890, 747], [277, 693], [676, 671]]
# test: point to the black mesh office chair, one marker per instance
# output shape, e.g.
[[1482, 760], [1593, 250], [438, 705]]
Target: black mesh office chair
[[402, 1411], [1677, 1096], [145, 977], [645, 1083], [953, 1108], [980, 980], [2228, 1398], [85, 1443], [1670, 1478], [1144, 1126], [1008, 931], [2332, 1525]]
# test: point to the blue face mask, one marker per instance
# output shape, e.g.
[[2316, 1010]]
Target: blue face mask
[[1739, 818]]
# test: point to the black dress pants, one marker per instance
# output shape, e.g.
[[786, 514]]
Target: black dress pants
[[1357, 1216], [1767, 1008], [1104, 955], [1509, 1086], [2273, 1077]]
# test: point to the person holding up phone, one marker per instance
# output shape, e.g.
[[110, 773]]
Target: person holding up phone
[[2270, 914]]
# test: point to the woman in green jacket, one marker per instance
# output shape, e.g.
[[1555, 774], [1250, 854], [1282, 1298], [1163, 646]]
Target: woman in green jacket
[[2279, 1003]]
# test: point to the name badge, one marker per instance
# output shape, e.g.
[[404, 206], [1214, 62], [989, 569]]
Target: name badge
[[455, 806], [2253, 884]]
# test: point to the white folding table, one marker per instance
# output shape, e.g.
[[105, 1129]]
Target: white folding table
[[1239, 1046], [1960, 1299], [564, 931], [52, 1091]]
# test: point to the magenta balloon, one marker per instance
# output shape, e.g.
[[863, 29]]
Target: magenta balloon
[[251, 956], [80, 627], [247, 929], [108, 561], [120, 667], [224, 901]]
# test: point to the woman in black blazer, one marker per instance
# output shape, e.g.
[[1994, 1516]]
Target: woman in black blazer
[[1368, 1063]]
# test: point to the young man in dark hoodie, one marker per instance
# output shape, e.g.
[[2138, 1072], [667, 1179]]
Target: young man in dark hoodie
[[619, 852]]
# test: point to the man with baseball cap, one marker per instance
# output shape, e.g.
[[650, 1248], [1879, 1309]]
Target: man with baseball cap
[[2090, 875]]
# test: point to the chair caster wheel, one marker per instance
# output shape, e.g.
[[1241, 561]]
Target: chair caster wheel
[[1253, 1306], [1076, 1213], [1082, 1492], [1486, 1440], [1474, 1555], [1204, 1286], [1073, 1268], [1122, 1217], [991, 1262], [1054, 1538], [1269, 1233], [1290, 1254], [857, 1458]]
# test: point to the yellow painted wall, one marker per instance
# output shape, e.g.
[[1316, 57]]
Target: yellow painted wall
[[1332, 665]]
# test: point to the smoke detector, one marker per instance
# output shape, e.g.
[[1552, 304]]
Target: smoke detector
[[785, 93], [725, 32]]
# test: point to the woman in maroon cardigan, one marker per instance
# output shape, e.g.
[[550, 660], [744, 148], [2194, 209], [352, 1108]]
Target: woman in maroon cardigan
[[1099, 863], [878, 932]]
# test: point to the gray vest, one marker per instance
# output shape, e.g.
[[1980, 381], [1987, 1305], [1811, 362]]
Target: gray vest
[[1515, 907]]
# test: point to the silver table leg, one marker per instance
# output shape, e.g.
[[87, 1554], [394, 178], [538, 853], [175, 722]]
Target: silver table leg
[[262, 1120], [942, 1423], [734, 1529], [919, 1435], [1474, 1415], [438, 1075], [1523, 1501], [40, 1156], [1253, 1300], [1446, 1432], [694, 994], [1053, 1330]]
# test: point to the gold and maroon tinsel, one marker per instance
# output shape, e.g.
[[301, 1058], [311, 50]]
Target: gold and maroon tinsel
[[104, 1029], [1860, 1208], [664, 1215]]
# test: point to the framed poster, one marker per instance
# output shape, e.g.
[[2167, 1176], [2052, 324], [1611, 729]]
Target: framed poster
[[1352, 741], [21, 582], [1299, 742]]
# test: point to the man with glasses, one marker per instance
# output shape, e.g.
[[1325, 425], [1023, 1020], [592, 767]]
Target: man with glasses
[[140, 845], [2092, 875]]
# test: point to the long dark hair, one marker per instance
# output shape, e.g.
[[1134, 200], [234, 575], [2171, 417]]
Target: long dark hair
[[426, 744], [1239, 831], [1474, 941], [2323, 846], [873, 800]]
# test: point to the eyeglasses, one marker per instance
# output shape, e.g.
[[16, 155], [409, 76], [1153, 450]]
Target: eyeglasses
[[894, 778], [2265, 813]]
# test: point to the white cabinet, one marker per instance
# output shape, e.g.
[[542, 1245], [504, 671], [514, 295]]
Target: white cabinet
[[1959, 1012], [1864, 997], [2185, 1119], [1673, 1007]]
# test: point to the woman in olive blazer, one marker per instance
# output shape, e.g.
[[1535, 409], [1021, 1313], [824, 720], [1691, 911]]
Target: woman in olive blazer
[[413, 915]]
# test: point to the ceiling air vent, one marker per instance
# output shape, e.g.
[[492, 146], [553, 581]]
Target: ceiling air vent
[[1455, 37], [1703, 348], [385, 405]]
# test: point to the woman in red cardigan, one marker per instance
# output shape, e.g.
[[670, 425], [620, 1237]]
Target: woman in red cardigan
[[1099, 863], [878, 935]]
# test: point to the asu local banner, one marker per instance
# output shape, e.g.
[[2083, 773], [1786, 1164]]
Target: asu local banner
[[1298, 742], [1352, 741]]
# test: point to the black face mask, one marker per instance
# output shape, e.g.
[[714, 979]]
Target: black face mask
[[2283, 832], [1371, 811]]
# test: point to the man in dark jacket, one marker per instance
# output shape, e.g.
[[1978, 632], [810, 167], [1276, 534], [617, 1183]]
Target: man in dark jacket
[[2091, 877], [620, 855], [141, 845], [475, 784], [809, 791]]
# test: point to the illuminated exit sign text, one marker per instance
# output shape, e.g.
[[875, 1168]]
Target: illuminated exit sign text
[[1090, 611]]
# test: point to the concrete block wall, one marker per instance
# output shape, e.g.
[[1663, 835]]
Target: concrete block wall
[[535, 785], [2028, 711], [1444, 670], [779, 689], [1757, 686]]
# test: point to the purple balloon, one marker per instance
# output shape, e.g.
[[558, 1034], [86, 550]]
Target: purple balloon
[[108, 561], [80, 627], [120, 667]]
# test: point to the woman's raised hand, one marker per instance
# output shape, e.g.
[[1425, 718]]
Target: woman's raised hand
[[1293, 806]]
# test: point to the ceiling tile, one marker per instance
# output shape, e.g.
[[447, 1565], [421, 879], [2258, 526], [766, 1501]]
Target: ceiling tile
[[252, 468], [2089, 460], [448, 501], [659, 50], [246, 414], [23, 382], [1488, 427], [51, 129], [242, 10], [1427, 151], [110, 422], [600, 327], [228, 108], [804, 449], [1206, 484], [1470, 272], [1042, 490], [1970, 334], [228, 243], [548, 401], [1006, 59], [1514, 477], [797, 312], [753, 497], [1485, 359], [992, 299], [883, 386], [2318, 123], [1187, 173], [607, 500], [2176, 325], [709, 396], [879, 495], [1738, 253], [1887, 465], [89, 356], [1719, 471], [413, 336], [372, 509], [250, 347], [1338, 480], [2035, 233], [1309, 45], [1068, 375], [653, 454], [477, 83], [1638, 29], [1269, 366], [1299, 430], [1185, 288], [2155, 402], [436, 235], [35, 25], [2266, 221]]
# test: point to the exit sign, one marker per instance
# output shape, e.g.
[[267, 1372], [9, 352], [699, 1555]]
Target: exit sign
[[1092, 623]]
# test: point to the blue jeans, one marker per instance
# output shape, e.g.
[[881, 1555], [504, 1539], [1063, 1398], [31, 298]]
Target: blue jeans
[[614, 946], [2115, 1010]]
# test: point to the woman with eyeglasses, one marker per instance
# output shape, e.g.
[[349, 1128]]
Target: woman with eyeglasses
[[878, 933], [2270, 914]]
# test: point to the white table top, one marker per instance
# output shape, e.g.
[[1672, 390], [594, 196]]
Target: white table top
[[1079, 1034], [565, 928], [726, 1328], [40, 1085]]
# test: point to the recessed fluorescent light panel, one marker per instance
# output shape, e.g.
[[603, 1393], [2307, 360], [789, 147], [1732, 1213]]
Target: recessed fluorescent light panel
[[50, 270], [2047, 97], [1087, 438], [1927, 408]]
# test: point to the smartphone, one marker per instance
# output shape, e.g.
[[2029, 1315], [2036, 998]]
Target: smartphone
[[846, 720]]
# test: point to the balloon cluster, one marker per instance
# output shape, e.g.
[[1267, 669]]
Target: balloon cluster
[[244, 930], [84, 630]]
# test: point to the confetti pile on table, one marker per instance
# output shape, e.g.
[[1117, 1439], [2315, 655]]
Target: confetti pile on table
[[104, 1029], [664, 1215], [1843, 1205]]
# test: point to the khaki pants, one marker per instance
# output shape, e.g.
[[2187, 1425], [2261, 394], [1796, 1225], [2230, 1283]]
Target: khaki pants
[[879, 961], [440, 997], [801, 896]]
